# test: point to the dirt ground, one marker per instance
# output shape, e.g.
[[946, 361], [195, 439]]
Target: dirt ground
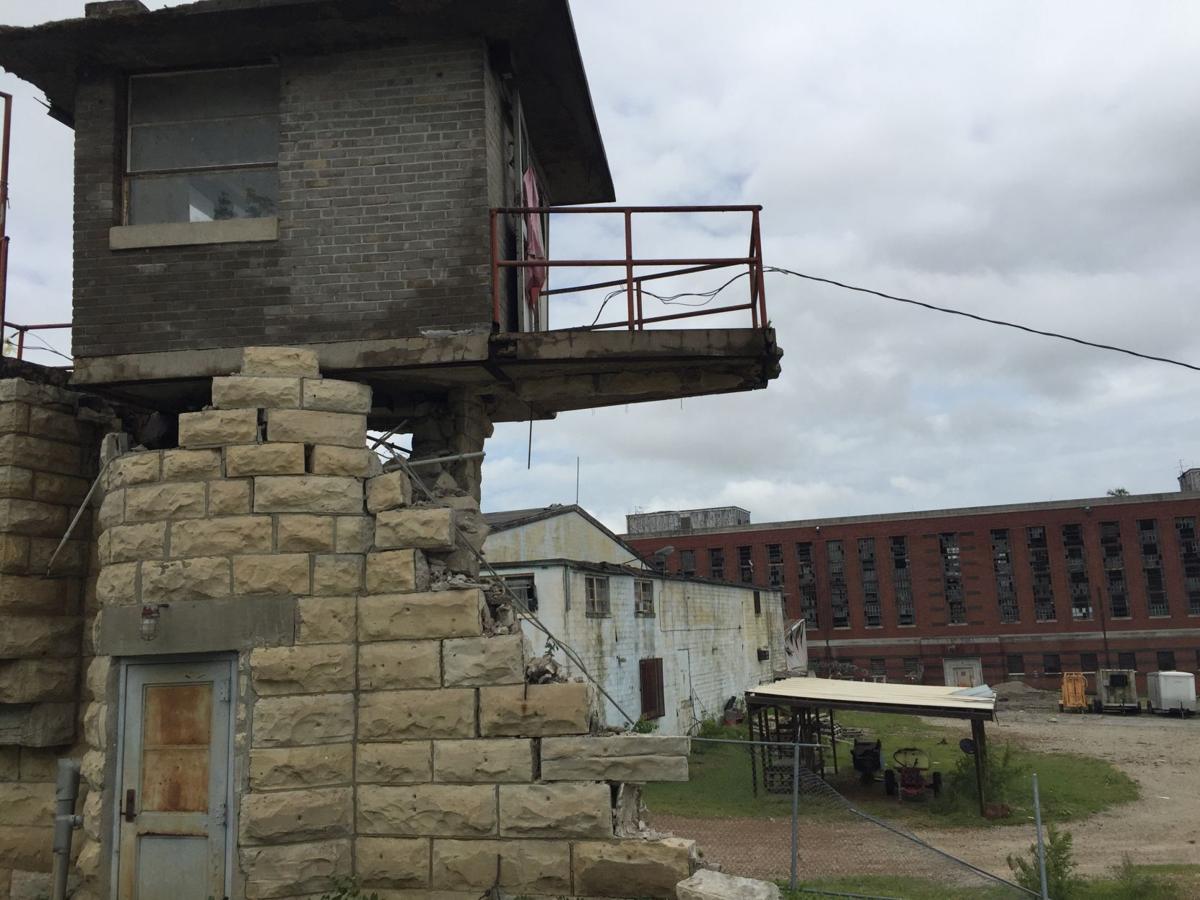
[[1162, 826]]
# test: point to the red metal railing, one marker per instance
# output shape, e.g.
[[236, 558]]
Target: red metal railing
[[636, 319], [22, 330]]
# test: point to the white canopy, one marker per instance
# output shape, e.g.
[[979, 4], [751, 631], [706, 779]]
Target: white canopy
[[917, 699]]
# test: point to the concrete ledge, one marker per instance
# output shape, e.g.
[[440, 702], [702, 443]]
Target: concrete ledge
[[182, 234], [199, 626]]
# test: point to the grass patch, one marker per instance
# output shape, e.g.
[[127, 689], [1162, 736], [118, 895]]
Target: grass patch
[[901, 887], [1072, 785]]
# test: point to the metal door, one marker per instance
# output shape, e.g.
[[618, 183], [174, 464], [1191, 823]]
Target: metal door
[[963, 673], [173, 789]]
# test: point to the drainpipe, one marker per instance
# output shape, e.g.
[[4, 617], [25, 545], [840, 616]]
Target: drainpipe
[[65, 822]]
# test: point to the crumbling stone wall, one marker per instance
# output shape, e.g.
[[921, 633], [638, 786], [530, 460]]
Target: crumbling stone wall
[[388, 732], [49, 443]]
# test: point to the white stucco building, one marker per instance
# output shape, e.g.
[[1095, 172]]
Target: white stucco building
[[671, 649]]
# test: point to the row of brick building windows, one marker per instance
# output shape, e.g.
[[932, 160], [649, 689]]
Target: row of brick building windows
[[1019, 664], [1039, 543]]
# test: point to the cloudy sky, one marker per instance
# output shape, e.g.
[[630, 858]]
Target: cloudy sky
[[1022, 160]]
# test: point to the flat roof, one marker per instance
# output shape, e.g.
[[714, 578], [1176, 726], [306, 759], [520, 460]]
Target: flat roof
[[547, 64], [907, 699]]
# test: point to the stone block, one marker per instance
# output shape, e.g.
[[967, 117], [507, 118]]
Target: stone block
[[14, 417], [287, 816], [51, 488], [392, 490], [354, 534], [26, 803], [38, 680], [308, 494], [280, 573], [631, 868], [325, 620], [305, 534], [466, 865], [708, 884], [132, 543], [256, 392], [399, 665], [397, 570], [191, 465], [406, 762], [483, 761], [290, 768], [36, 594], [422, 528], [16, 482], [337, 574], [303, 720], [535, 710], [73, 559], [40, 763], [10, 763], [314, 427], [529, 868], [14, 553], [556, 810], [416, 715], [31, 517], [118, 583], [428, 810], [30, 636], [200, 578], [134, 468], [98, 671], [229, 498], [280, 361], [37, 453], [626, 758], [307, 669], [222, 536], [295, 870], [392, 863], [51, 423], [337, 396], [480, 661], [264, 459], [26, 847], [166, 501], [218, 427], [438, 614], [356, 462], [37, 885]]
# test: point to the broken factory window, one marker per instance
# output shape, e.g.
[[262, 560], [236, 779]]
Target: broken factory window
[[746, 564], [906, 611], [1114, 569], [1039, 565], [1127, 660], [687, 563], [807, 576], [1152, 562], [839, 597], [1051, 664], [912, 668], [203, 146], [654, 702], [872, 609], [596, 590], [1014, 663], [643, 598], [1077, 577], [879, 668], [1166, 660], [524, 588], [775, 565], [1006, 585], [1089, 662], [952, 582], [716, 563], [1189, 558]]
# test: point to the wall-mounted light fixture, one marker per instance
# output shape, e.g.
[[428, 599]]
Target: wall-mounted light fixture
[[150, 616]]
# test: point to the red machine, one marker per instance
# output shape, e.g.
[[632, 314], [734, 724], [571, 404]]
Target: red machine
[[908, 778]]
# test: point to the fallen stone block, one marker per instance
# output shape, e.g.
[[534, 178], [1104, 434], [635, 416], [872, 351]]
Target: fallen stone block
[[709, 885], [631, 868]]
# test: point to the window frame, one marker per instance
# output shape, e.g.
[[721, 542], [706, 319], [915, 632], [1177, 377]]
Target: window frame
[[531, 598], [128, 176], [641, 608], [592, 608]]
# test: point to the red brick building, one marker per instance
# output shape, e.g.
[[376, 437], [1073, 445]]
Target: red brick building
[[989, 593]]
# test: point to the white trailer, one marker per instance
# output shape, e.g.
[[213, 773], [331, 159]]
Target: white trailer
[[1171, 692]]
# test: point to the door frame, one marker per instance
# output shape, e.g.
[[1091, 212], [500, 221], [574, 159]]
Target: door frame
[[951, 662], [117, 766]]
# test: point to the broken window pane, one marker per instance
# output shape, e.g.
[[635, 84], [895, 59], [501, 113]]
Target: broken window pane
[[952, 583], [1114, 569], [643, 598], [1189, 558], [1039, 565], [1077, 577], [807, 576], [596, 589], [839, 597], [1156, 589], [872, 609], [716, 563], [906, 611], [1006, 584]]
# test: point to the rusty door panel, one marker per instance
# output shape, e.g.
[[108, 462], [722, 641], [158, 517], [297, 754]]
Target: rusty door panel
[[175, 747]]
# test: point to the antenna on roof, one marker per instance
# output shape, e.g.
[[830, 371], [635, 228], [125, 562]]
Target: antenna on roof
[[577, 481]]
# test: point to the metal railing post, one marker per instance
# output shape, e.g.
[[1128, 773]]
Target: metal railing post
[[629, 264], [20, 343], [5, 155], [1041, 847], [793, 883], [760, 281]]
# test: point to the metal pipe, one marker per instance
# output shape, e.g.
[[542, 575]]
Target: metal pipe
[[1041, 847], [619, 210], [4, 160], [495, 272], [435, 460], [78, 515], [66, 792], [621, 263], [629, 265]]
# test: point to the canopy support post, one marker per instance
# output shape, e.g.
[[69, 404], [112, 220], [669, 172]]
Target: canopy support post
[[980, 738]]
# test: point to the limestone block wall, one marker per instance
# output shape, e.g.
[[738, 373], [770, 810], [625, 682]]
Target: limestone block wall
[[49, 447], [387, 731]]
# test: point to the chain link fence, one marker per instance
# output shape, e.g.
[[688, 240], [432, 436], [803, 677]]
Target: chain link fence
[[758, 811]]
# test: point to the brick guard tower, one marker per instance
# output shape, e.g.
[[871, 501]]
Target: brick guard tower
[[276, 662]]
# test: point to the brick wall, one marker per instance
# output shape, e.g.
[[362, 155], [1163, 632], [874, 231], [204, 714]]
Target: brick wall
[[383, 215]]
